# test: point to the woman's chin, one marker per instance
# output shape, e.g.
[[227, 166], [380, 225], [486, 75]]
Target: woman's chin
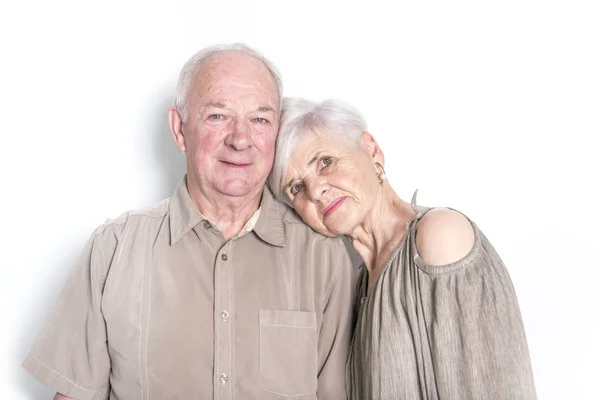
[[330, 231], [329, 234], [323, 230], [331, 227]]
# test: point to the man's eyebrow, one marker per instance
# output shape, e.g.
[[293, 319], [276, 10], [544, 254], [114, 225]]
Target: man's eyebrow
[[214, 104], [265, 109]]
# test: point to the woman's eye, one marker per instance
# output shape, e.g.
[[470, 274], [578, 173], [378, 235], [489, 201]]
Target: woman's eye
[[215, 116], [297, 188], [261, 120], [326, 161]]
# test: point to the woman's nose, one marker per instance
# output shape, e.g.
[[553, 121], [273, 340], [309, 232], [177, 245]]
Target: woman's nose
[[317, 190]]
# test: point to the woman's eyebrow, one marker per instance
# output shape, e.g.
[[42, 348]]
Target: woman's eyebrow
[[312, 160], [290, 182]]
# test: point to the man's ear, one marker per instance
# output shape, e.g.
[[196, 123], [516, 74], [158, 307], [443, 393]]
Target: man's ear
[[176, 124], [369, 145]]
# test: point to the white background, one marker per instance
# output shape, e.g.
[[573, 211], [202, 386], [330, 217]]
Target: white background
[[489, 107]]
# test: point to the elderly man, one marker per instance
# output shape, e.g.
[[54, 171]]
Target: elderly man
[[220, 292]]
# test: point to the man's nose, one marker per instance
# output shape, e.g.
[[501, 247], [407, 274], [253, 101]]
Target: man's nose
[[240, 136]]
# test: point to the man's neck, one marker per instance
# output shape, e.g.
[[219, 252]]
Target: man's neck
[[228, 213]]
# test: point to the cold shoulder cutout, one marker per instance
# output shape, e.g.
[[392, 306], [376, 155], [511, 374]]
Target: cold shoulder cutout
[[444, 236], [451, 331]]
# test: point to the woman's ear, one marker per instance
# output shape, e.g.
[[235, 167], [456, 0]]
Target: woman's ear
[[370, 146]]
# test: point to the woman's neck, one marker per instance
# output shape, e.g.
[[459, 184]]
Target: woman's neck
[[376, 238]]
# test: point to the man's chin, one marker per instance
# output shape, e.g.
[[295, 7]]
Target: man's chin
[[240, 189]]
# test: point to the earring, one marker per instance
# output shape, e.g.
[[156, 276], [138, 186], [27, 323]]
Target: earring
[[382, 176]]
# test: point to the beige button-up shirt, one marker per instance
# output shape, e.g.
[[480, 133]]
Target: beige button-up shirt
[[160, 306]]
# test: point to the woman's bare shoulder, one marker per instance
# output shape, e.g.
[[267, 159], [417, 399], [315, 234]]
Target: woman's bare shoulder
[[444, 236]]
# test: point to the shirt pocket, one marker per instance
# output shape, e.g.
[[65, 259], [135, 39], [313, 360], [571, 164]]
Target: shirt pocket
[[288, 352]]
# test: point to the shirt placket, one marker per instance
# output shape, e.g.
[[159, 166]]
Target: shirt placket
[[223, 325]]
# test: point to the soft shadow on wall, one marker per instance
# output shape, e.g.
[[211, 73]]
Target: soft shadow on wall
[[161, 166], [168, 161], [37, 313]]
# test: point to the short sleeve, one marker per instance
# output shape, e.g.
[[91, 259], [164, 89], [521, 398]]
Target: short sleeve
[[71, 355]]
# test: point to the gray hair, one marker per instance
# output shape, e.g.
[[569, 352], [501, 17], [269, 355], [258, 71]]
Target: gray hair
[[331, 118], [187, 73]]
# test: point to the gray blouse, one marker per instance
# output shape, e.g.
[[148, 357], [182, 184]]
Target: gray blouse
[[439, 332]]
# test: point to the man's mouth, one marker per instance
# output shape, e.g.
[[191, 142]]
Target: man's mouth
[[235, 164]]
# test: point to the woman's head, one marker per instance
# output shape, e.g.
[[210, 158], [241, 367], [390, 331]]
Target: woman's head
[[327, 165]]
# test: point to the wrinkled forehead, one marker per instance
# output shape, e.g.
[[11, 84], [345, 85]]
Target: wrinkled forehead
[[325, 138], [234, 70], [311, 144]]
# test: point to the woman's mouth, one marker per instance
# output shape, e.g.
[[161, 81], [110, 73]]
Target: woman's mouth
[[334, 205]]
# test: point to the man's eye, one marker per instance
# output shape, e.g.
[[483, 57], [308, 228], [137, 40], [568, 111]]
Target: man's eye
[[215, 116], [297, 188], [261, 120]]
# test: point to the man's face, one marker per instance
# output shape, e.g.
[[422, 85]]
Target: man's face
[[229, 137]]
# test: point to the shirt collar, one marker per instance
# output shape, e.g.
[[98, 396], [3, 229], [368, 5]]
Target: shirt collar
[[250, 224], [183, 213], [267, 221], [269, 226]]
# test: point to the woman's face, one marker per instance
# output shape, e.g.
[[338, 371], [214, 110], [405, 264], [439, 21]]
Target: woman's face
[[331, 184]]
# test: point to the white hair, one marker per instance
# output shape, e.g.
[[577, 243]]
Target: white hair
[[331, 118], [187, 72]]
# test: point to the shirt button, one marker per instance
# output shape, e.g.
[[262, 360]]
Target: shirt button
[[224, 257], [224, 315], [223, 379], [206, 224]]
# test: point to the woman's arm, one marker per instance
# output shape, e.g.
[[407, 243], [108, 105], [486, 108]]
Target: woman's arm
[[471, 330]]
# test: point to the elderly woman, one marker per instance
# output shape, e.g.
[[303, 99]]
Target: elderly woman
[[438, 316]]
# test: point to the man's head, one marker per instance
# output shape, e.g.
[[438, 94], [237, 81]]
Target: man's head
[[226, 118]]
